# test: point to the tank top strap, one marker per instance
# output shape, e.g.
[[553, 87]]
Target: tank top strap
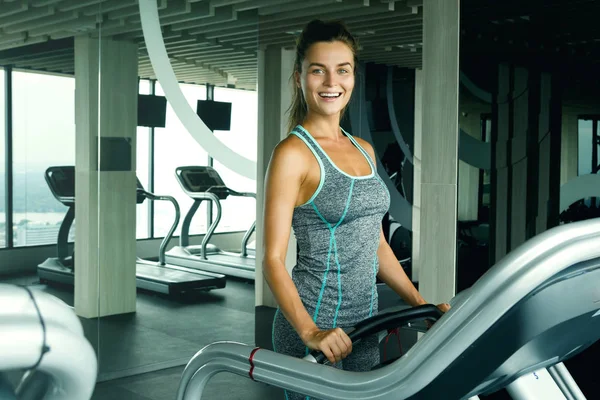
[[311, 144], [361, 149]]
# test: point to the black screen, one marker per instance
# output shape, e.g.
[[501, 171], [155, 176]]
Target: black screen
[[215, 114], [152, 111]]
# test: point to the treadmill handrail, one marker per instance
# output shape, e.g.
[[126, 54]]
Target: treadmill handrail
[[213, 226], [241, 194], [385, 320], [62, 241], [502, 287], [246, 238], [198, 197], [169, 235]]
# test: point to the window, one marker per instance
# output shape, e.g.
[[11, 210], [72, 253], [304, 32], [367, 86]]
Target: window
[[43, 136], [585, 130], [238, 213], [174, 147], [587, 146], [143, 170], [2, 161]]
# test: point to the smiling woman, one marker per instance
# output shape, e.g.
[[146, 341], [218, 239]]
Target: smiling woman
[[322, 182], [325, 56]]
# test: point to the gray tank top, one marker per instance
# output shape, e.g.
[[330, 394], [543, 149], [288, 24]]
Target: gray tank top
[[338, 233]]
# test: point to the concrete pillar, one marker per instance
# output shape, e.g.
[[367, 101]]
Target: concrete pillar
[[568, 164], [468, 176], [499, 200], [518, 162], [526, 147], [275, 66], [106, 119], [416, 212], [549, 143], [439, 150]]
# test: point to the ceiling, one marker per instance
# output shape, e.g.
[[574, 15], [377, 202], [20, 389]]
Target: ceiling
[[208, 41], [216, 41]]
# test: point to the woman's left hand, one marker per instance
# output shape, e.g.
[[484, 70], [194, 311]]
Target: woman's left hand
[[444, 307]]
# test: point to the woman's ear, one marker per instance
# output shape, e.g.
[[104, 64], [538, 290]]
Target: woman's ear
[[297, 79]]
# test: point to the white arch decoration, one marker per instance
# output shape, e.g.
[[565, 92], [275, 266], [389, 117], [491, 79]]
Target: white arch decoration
[[165, 75]]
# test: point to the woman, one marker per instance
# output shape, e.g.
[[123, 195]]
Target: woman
[[323, 182]]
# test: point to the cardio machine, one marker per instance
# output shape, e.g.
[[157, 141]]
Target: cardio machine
[[204, 183], [158, 276], [534, 309]]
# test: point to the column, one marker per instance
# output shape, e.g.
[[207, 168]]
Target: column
[[468, 176], [275, 67], [416, 212], [439, 150], [520, 156], [105, 200], [549, 143], [499, 200]]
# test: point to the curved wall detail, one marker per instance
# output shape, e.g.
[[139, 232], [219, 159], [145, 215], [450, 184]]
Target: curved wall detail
[[474, 152], [166, 77]]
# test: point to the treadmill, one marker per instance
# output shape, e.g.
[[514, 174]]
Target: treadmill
[[513, 329], [204, 183], [153, 276]]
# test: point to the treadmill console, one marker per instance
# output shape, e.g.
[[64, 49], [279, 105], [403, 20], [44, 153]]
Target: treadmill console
[[203, 179], [61, 181]]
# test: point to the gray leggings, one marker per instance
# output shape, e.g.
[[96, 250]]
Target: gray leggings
[[364, 356]]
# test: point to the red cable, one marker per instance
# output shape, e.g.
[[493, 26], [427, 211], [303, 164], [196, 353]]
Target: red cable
[[251, 361]]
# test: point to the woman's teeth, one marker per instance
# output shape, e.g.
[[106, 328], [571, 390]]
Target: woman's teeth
[[330, 95]]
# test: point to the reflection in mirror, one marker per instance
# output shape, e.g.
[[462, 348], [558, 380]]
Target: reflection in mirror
[[141, 272], [528, 92], [39, 124]]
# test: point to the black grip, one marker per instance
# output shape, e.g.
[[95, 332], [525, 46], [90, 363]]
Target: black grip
[[386, 320]]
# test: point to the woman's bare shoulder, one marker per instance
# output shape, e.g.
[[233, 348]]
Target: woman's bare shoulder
[[290, 151]]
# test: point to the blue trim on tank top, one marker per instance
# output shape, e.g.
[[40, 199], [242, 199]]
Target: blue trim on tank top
[[374, 284], [337, 261], [372, 174], [332, 240], [321, 167], [318, 305], [362, 150]]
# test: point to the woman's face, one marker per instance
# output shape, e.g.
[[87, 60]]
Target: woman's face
[[327, 77]]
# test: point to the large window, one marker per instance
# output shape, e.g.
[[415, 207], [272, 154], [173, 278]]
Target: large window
[[43, 136], [2, 162], [238, 213], [174, 147]]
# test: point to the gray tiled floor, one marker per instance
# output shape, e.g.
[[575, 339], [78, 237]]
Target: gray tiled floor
[[165, 332], [162, 385]]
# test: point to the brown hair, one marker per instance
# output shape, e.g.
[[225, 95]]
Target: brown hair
[[314, 32]]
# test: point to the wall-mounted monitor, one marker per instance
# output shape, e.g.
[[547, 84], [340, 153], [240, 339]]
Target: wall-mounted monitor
[[152, 111], [215, 114]]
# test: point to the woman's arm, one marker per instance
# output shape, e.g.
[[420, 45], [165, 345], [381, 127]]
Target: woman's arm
[[285, 174], [392, 273]]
